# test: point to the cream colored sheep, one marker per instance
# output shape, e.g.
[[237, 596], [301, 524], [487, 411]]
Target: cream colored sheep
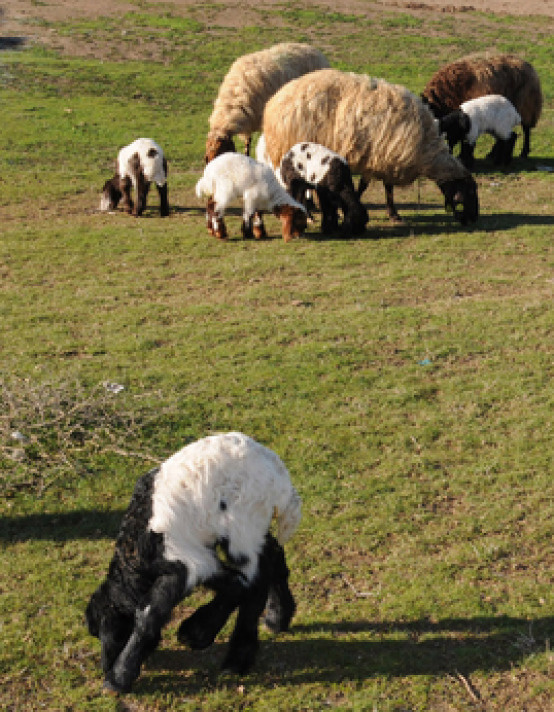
[[249, 83], [383, 130]]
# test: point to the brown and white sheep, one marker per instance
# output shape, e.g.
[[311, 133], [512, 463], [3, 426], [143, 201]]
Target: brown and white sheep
[[382, 130], [249, 83], [472, 77]]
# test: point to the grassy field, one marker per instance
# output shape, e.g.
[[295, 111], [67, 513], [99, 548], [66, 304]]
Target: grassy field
[[404, 377]]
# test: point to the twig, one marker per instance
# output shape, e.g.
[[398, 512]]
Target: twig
[[358, 594], [471, 690]]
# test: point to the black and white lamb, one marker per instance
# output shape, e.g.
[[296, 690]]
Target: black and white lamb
[[202, 517], [233, 175], [493, 114], [309, 166], [137, 165]]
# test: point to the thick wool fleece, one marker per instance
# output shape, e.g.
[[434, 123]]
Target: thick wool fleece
[[382, 130]]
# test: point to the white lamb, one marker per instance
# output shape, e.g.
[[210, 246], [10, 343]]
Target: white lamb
[[231, 176], [202, 518], [137, 165], [493, 114]]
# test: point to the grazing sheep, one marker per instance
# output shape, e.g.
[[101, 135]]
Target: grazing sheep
[[492, 114], [249, 83], [471, 77], [231, 176], [309, 166], [382, 130], [137, 165], [202, 517]]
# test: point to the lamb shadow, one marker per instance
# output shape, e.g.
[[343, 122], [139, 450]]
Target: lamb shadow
[[11, 42], [59, 527], [330, 653]]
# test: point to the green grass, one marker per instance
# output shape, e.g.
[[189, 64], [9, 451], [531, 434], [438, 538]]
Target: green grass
[[404, 377]]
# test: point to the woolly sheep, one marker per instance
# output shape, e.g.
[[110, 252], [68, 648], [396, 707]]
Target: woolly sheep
[[383, 131], [471, 77], [202, 517], [492, 114], [137, 165], [249, 83], [308, 166], [231, 176]]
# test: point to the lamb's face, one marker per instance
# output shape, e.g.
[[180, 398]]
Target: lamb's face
[[294, 221], [111, 194], [462, 192]]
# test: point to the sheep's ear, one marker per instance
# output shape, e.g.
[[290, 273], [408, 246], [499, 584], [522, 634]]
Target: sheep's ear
[[465, 122]]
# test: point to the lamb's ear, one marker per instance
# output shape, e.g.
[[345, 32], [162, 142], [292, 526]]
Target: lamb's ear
[[465, 122]]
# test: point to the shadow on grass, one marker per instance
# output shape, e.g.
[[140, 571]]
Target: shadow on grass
[[417, 647], [63, 526], [11, 42]]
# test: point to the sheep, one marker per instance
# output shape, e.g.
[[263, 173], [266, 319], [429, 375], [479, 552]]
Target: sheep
[[249, 83], [233, 175], [382, 130], [471, 77], [139, 163], [309, 166], [492, 114], [201, 518]]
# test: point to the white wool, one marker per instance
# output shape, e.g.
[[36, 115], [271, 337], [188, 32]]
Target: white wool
[[490, 114], [228, 486], [152, 165], [234, 175], [262, 156], [311, 160]]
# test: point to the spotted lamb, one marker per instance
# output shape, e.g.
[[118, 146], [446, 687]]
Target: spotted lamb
[[137, 165], [233, 175], [493, 114], [202, 517]]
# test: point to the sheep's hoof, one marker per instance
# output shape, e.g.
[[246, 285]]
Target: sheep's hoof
[[239, 659], [195, 636]]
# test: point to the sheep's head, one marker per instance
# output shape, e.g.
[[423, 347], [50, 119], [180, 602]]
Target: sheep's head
[[218, 144], [461, 192], [111, 194], [355, 220], [456, 126], [293, 220]]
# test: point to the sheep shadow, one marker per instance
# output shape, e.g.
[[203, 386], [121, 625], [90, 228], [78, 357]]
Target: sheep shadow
[[63, 526], [331, 653], [11, 42]]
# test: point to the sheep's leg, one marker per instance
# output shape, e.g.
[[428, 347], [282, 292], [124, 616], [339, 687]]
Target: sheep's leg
[[258, 227], [214, 219], [125, 186], [164, 202], [466, 155], [142, 188], [362, 185], [280, 605], [392, 212], [247, 146], [329, 210], [166, 592], [526, 150]]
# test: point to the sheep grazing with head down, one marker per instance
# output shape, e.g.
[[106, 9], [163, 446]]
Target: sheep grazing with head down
[[472, 77], [309, 166], [249, 83], [231, 176], [137, 165], [382, 130], [202, 517], [493, 114]]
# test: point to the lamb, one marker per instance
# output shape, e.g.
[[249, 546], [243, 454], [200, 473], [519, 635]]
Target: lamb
[[137, 165], [201, 518], [382, 130], [309, 166], [233, 175], [492, 114], [249, 83], [472, 77]]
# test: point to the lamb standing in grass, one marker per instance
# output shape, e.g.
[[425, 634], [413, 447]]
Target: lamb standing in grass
[[471, 77], [232, 176], [202, 517], [137, 165], [309, 166], [493, 114], [382, 130], [249, 83]]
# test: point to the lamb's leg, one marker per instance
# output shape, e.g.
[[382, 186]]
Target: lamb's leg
[[142, 192], [167, 591], [280, 605], [466, 155], [392, 212], [526, 150], [164, 202], [125, 186], [218, 228]]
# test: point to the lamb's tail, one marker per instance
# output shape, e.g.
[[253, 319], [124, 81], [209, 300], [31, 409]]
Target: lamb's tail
[[204, 188], [288, 517]]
